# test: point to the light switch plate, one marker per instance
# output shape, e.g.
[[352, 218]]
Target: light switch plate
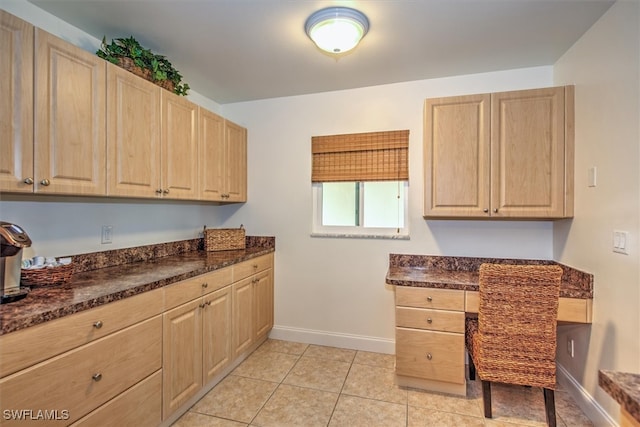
[[107, 234], [621, 242], [592, 176]]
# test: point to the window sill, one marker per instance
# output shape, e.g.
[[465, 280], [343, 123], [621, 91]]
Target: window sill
[[362, 236]]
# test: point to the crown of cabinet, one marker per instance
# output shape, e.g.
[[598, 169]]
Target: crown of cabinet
[[500, 155]]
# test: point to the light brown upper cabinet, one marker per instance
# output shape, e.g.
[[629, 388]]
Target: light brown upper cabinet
[[133, 135], [16, 104], [58, 146], [500, 155], [179, 154], [223, 159], [152, 139], [70, 120]]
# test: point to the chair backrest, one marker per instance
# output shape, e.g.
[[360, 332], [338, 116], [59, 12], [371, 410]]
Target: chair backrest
[[517, 323]]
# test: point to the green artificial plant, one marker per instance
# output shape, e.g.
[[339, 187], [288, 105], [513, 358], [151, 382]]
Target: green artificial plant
[[158, 65]]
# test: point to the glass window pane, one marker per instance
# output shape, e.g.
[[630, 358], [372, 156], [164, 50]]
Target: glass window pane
[[383, 204], [339, 203]]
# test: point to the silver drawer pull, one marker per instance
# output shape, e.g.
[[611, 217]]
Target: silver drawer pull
[[97, 324], [205, 285], [28, 181], [45, 182], [429, 299], [429, 356], [429, 320], [96, 377]]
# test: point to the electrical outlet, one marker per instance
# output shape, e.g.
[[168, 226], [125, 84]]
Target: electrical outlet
[[107, 234], [571, 347]]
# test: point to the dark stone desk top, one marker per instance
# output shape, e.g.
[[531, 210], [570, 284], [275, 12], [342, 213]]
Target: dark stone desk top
[[104, 277], [624, 388], [462, 273]]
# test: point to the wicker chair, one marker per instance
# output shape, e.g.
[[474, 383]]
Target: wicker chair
[[513, 339]]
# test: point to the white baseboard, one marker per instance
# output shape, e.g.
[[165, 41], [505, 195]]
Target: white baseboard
[[333, 339], [584, 400]]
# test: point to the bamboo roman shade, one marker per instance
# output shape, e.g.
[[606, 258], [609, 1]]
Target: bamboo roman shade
[[371, 156]]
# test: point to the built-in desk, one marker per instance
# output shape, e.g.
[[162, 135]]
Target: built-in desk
[[433, 295]]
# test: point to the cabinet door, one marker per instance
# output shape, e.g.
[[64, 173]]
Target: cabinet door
[[527, 153], [456, 156], [70, 121], [179, 157], [182, 355], [236, 163], [216, 332], [16, 104], [242, 315], [263, 296], [212, 156], [133, 135]]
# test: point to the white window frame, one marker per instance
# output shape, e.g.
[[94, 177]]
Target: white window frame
[[359, 231]]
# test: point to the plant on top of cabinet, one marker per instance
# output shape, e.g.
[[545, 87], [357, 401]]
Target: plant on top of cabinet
[[130, 55]]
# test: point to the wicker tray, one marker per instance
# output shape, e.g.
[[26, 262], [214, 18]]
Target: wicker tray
[[224, 239], [46, 276]]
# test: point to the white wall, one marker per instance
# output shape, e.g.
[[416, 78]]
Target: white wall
[[67, 226], [605, 67], [331, 290]]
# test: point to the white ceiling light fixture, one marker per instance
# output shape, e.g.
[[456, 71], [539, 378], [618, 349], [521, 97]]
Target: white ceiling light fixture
[[337, 29]]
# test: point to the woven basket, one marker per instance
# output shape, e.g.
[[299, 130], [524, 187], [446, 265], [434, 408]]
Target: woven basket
[[46, 276], [223, 239], [129, 65]]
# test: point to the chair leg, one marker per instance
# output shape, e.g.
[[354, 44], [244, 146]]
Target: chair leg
[[486, 398], [472, 369], [550, 407]]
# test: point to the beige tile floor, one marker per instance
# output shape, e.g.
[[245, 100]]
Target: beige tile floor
[[293, 384]]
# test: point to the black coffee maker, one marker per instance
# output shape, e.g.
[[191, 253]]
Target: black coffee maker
[[12, 240]]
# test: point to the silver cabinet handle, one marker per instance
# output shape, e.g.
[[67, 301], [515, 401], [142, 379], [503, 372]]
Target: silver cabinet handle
[[201, 305], [429, 299], [45, 182], [495, 210], [97, 324], [165, 191], [205, 285], [96, 377], [429, 356], [28, 181], [429, 320], [485, 210], [208, 303], [159, 191]]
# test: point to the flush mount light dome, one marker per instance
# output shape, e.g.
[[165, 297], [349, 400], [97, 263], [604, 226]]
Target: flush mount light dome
[[337, 29]]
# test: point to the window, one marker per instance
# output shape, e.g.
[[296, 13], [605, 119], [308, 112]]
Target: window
[[360, 184]]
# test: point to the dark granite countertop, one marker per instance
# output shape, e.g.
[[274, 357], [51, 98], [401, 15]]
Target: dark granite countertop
[[624, 388], [461, 273], [120, 274]]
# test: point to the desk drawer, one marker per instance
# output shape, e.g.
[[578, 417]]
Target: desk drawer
[[437, 356], [445, 299], [434, 320], [84, 378]]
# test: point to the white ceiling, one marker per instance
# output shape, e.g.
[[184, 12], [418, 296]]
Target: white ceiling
[[240, 50]]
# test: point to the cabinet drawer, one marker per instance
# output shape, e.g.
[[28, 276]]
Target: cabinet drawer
[[84, 378], [446, 299], [140, 406], [187, 290], [430, 355], [60, 335], [252, 266], [435, 320]]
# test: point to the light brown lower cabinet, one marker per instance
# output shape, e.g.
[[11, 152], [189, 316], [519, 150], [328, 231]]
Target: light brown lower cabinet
[[430, 339], [138, 361], [75, 383]]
